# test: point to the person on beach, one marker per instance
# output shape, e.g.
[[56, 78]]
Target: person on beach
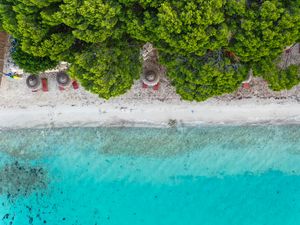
[[13, 75]]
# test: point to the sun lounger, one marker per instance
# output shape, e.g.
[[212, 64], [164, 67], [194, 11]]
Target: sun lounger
[[144, 85], [45, 84], [156, 87], [75, 85], [246, 86]]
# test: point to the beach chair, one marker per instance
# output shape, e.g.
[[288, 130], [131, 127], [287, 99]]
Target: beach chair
[[246, 86], [156, 87], [75, 84], [45, 84], [144, 85], [288, 51]]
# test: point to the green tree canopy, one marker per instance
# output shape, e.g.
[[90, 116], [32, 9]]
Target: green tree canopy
[[188, 33], [107, 69], [179, 26], [283, 78], [262, 29], [29, 63], [198, 78]]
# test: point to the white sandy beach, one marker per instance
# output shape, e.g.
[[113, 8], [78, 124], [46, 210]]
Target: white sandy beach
[[21, 108]]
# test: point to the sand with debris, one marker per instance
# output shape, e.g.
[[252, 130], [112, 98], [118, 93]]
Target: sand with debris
[[22, 108]]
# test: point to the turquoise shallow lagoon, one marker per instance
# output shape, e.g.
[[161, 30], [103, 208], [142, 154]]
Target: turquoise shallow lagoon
[[213, 175]]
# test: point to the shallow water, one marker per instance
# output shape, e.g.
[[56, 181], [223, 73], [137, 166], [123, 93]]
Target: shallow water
[[206, 175]]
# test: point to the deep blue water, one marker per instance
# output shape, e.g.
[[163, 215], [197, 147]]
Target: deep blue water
[[223, 175]]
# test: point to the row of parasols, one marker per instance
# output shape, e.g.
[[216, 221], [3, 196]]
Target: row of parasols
[[150, 78], [36, 83]]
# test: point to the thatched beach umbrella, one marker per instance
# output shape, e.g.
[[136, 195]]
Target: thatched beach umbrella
[[63, 79], [33, 81], [150, 78]]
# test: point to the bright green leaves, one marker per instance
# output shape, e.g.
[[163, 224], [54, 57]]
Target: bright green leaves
[[191, 35], [140, 23], [100, 19], [67, 13], [8, 18], [62, 31], [192, 26], [283, 79], [52, 46], [30, 63], [107, 69], [169, 19], [278, 78], [269, 11], [39, 3], [36, 37], [199, 78], [30, 28], [50, 16], [180, 26], [261, 30], [92, 20], [260, 33], [234, 7]]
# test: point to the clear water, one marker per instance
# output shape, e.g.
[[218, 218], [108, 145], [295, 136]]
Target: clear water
[[186, 176]]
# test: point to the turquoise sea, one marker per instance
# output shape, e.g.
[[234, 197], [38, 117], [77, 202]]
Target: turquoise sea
[[210, 175]]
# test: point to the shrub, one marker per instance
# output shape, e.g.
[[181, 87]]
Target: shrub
[[30, 63], [252, 31], [107, 69], [283, 79], [199, 78]]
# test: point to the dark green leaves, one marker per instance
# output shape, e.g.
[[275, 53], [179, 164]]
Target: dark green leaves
[[107, 69], [98, 37], [199, 78], [30, 63]]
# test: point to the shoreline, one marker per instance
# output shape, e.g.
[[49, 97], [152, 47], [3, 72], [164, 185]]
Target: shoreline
[[21, 108], [158, 114], [139, 107]]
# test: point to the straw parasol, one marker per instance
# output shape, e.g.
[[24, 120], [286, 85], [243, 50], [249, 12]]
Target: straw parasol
[[32, 81], [63, 79], [150, 77]]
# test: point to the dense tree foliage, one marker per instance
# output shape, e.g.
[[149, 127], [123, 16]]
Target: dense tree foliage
[[279, 78], [283, 78], [260, 32], [262, 28], [107, 69], [179, 26], [198, 78], [29, 63], [207, 45]]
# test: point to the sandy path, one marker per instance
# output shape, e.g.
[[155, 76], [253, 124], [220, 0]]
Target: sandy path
[[21, 108]]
